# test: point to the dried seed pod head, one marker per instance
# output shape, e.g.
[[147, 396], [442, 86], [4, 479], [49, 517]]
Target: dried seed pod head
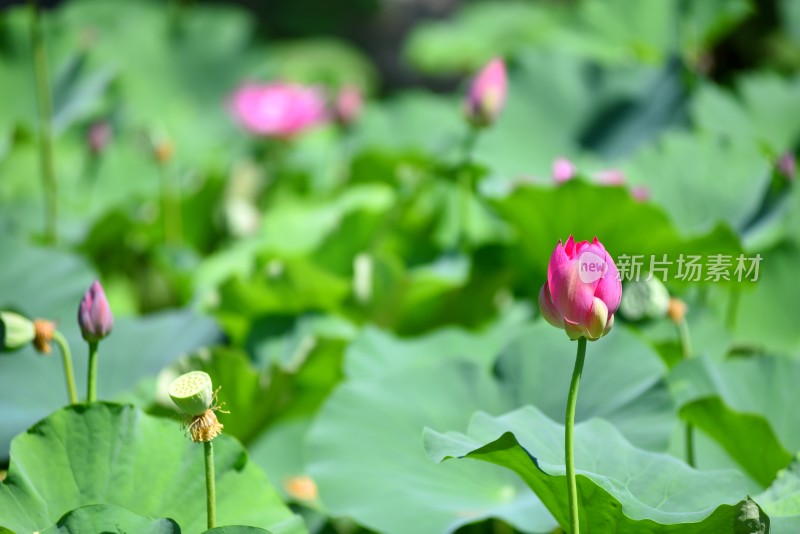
[[205, 427], [192, 393], [44, 331]]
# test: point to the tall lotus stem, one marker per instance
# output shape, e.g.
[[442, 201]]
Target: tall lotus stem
[[569, 441], [193, 394], [677, 312], [44, 100], [69, 374]]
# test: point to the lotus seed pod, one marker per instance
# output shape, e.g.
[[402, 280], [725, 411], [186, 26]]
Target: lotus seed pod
[[644, 300], [16, 331], [192, 393]]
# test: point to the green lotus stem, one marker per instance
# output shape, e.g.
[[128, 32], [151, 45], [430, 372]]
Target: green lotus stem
[[211, 491], [44, 100], [465, 183], [91, 394], [686, 350], [733, 308], [569, 442], [66, 354], [170, 207]]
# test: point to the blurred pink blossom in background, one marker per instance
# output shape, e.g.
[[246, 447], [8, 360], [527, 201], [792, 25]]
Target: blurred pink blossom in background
[[278, 109], [563, 170], [787, 165], [348, 105]]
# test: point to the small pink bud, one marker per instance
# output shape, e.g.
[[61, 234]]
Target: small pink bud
[[348, 105], [487, 94], [563, 170], [98, 136], [641, 193], [583, 289], [94, 314], [787, 166]]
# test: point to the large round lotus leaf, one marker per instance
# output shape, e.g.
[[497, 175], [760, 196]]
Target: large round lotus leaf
[[746, 405], [115, 454], [365, 454], [620, 488], [110, 518], [622, 381]]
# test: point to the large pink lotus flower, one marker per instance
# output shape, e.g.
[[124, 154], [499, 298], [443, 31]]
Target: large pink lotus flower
[[94, 314], [487, 94], [582, 291], [278, 109]]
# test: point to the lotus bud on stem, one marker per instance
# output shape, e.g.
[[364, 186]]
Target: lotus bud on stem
[[581, 295], [194, 395], [95, 321]]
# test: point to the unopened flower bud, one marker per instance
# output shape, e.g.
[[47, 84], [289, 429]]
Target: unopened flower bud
[[563, 170], [16, 331], [94, 314], [582, 291], [487, 94]]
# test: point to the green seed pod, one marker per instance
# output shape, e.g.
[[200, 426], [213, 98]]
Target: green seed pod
[[644, 300], [192, 393], [16, 331]]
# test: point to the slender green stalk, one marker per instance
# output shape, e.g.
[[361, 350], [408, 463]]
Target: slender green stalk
[[733, 308], [211, 490], [44, 100], [569, 442], [686, 350], [66, 354], [91, 394], [170, 208], [465, 183]]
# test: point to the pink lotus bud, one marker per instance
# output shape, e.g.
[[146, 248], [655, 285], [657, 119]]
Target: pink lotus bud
[[640, 193], [348, 105], [278, 109], [98, 136], [487, 94], [582, 291], [787, 166], [94, 314], [563, 170]]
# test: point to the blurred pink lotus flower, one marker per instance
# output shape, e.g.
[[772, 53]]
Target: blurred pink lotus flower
[[487, 94], [616, 177], [610, 177], [787, 165], [278, 109], [348, 105], [563, 170], [583, 289]]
